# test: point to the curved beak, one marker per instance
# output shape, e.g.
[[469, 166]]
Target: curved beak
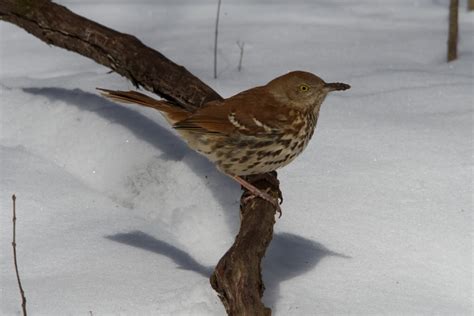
[[336, 86]]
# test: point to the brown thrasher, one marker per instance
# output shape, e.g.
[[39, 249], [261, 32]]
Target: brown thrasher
[[253, 132]]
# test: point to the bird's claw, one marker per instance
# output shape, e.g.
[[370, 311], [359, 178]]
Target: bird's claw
[[272, 179], [280, 198], [264, 196]]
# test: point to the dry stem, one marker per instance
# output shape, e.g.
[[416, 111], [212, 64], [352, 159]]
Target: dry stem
[[215, 37], [15, 260], [241, 47]]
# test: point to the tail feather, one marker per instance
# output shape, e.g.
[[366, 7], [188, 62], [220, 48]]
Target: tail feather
[[171, 112]]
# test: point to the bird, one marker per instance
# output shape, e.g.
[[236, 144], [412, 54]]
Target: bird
[[256, 131]]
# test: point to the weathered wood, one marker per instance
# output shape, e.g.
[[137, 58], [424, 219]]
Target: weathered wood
[[123, 53], [240, 287]]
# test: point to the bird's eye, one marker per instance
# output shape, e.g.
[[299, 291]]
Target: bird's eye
[[304, 88]]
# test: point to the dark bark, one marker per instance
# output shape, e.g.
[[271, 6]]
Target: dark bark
[[453, 30], [237, 277], [239, 287], [123, 53]]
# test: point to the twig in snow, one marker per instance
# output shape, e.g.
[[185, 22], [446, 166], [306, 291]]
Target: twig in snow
[[22, 293], [215, 38], [241, 46]]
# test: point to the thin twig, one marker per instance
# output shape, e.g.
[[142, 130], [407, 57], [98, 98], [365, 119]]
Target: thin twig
[[241, 46], [22, 293], [215, 38]]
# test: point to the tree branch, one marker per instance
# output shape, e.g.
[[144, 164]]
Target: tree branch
[[237, 277], [123, 53]]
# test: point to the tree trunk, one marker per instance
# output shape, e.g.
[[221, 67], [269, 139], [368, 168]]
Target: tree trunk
[[453, 30], [237, 277], [470, 5]]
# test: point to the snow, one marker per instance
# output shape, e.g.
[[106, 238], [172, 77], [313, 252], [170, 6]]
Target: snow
[[117, 216]]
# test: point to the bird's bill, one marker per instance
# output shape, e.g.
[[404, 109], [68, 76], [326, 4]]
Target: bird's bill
[[336, 86]]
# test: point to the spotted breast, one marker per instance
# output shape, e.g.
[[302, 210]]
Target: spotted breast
[[241, 154]]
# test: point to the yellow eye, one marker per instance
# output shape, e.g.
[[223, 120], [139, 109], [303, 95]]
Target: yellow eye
[[304, 88]]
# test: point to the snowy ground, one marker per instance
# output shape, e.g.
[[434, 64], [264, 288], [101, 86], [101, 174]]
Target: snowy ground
[[117, 216]]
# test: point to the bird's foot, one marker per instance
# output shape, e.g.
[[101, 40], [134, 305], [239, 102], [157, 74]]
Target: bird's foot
[[270, 177], [265, 196], [257, 193]]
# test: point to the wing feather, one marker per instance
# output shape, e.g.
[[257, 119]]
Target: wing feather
[[252, 112]]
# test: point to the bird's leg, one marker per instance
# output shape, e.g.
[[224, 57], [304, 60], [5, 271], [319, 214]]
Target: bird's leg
[[270, 177], [256, 192]]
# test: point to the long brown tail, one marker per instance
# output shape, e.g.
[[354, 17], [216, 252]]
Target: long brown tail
[[171, 112]]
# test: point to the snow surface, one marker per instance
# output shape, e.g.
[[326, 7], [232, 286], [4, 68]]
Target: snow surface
[[116, 216]]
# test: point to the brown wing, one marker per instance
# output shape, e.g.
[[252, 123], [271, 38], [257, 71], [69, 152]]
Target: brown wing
[[251, 112]]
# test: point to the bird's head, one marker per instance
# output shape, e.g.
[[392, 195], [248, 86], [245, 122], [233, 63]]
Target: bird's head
[[302, 90]]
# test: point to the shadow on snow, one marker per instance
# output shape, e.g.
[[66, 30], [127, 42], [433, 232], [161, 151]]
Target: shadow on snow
[[287, 257], [144, 128]]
